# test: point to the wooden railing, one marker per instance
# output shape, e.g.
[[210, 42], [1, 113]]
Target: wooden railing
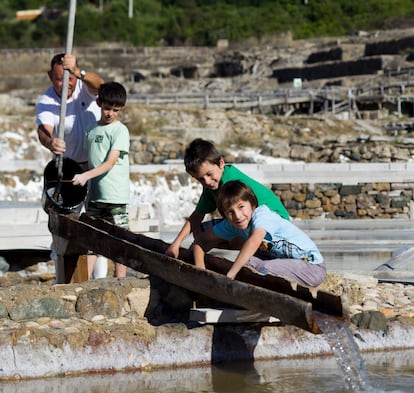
[[394, 87]]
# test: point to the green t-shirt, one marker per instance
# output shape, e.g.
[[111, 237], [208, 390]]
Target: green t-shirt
[[112, 186], [265, 196]]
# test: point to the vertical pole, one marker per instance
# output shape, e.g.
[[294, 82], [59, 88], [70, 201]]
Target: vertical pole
[[399, 106], [311, 103], [64, 97]]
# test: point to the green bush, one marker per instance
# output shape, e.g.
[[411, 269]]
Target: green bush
[[197, 22]]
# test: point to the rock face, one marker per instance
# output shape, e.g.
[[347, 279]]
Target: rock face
[[162, 132], [223, 68], [102, 325]]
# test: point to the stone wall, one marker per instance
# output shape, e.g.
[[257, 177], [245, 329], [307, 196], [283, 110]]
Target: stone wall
[[355, 150], [337, 201]]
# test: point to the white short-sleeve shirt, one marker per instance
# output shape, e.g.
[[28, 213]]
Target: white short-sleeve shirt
[[82, 112]]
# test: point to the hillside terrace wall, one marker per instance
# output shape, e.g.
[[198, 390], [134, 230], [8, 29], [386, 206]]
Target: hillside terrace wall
[[337, 201], [332, 191], [329, 70], [309, 190], [342, 190]]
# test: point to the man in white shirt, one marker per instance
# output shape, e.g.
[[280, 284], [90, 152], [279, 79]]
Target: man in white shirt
[[82, 111]]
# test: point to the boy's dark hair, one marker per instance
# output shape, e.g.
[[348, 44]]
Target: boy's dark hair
[[198, 152], [112, 93], [57, 59], [233, 192]]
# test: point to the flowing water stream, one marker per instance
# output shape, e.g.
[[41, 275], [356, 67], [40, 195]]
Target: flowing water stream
[[344, 349]]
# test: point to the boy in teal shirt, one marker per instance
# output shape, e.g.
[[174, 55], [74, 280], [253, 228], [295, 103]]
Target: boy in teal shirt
[[271, 244], [203, 161]]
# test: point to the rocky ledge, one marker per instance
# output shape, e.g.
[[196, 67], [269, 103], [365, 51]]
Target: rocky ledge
[[102, 325]]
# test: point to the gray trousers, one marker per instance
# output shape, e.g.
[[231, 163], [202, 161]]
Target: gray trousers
[[304, 273]]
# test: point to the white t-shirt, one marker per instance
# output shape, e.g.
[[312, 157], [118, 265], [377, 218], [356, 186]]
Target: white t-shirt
[[82, 112]]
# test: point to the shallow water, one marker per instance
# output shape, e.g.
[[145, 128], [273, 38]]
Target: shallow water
[[384, 372]]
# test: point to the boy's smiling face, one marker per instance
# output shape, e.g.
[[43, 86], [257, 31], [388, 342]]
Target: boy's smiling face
[[209, 175], [239, 214]]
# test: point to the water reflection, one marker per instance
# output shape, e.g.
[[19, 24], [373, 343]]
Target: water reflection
[[391, 372]]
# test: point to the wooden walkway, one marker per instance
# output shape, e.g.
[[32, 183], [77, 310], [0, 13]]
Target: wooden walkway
[[393, 88], [309, 173], [343, 173]]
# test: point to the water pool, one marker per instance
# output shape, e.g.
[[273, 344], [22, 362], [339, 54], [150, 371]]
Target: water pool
[[391, 372]]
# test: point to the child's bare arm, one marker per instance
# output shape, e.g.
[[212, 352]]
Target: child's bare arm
[[81, 178], [249, 248], [194, 221], [202, 245], [199, 256]]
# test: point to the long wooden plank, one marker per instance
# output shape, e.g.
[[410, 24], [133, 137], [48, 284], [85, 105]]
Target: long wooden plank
[[288, 309], [320, 300]]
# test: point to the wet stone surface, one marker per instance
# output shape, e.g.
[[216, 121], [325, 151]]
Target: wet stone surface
[[30, 293], [97, 317]]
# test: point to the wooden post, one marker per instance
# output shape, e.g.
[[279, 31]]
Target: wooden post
[[311, 104], [326, 102], [80, 273], [350, 103], [399, 106], [71, 257], [71, 263]]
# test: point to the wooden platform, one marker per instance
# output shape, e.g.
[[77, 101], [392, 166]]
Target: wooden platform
[[228, 315], [404, 281]]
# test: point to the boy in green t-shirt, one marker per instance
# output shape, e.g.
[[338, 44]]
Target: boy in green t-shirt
[[203, 161], [108, 174]]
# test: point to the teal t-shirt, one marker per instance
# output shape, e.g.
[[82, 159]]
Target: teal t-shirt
[[265, 196], [113, 186]]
